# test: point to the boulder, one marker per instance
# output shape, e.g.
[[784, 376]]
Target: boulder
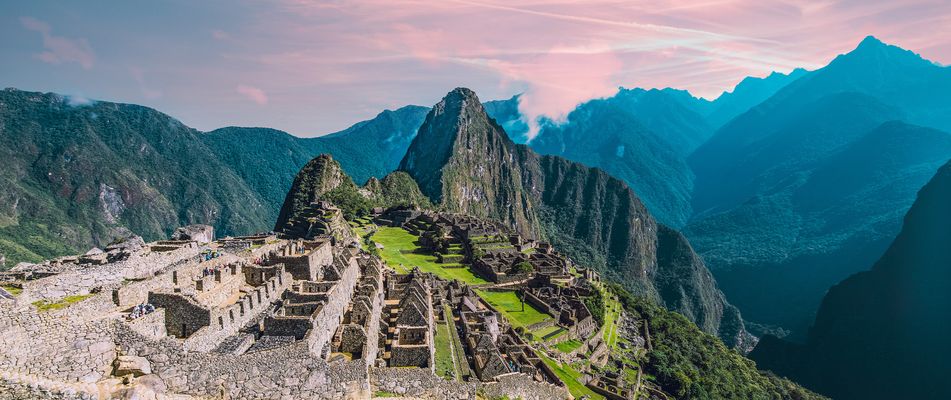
[[129, 244], [199, 233], [137, 366]]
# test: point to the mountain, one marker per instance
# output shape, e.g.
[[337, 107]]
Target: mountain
[[642, 137], [465, 162], [323, 178], [80, 174], [269, 159], [809, 186], [882, 333], [748, 93]]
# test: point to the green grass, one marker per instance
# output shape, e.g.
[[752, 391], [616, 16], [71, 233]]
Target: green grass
[[568, 346], [571, 378], [546, 331], [445, 366], [509, 305], [399, 248], [43, 305], [383, 393], [13, 290], [462, 365], [612, 309]]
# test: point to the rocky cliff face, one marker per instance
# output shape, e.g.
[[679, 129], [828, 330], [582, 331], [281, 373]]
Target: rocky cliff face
[[882, 334], [464, 161]]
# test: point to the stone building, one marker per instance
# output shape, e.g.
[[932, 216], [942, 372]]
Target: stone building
[[207, 308], [306, 260], [410, 324], [565, 303]]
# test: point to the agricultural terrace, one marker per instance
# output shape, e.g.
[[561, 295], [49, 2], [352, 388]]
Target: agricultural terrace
[[401, 253], [510, 306]]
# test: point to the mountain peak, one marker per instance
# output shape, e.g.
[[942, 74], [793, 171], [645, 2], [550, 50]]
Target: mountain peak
[[871, 42], [872, 51]]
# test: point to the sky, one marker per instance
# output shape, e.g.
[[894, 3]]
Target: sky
[[316, 67]]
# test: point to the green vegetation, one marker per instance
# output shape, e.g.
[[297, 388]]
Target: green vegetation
[[13, 289], [445, 366], [571, 378], [383, 393], [509, 304], [524, 267], [540, 334], [595, 304], [43, 305], [569, 345], [462, 365], [401, 253], [690, 364]]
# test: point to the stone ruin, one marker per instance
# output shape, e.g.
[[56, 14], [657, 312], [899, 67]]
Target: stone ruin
[[248, 318], [202, 234]]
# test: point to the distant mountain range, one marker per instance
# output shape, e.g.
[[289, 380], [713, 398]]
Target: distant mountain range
[[883, 333], [809, 186]]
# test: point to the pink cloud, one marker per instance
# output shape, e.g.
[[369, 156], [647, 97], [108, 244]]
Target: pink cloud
[[252, 93], [60, 49], [220, 34]]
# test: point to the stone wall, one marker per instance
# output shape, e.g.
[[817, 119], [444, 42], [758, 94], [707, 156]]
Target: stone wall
[[54, 344], [279, 373], [82, 279], [151, 325], [225, 322], [332, 312], [421, 383]]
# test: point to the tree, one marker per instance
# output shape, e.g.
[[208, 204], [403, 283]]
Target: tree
[[524, 267]]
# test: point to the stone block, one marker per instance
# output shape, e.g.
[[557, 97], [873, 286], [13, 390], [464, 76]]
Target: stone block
[[137, 366]]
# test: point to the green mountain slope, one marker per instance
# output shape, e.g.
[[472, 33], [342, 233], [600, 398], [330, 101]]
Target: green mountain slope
[[882, 333], [79, 175], [464, 161]]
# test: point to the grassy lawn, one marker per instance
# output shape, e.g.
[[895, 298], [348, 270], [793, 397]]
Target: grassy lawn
[[612, 308], [12, 290], [541, 333], [568, 346], [443, 343], [508, 304], [571, 378], [398, 249], [43, 305]]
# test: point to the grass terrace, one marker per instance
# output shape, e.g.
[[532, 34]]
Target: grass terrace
[[509, 305], [612, 310], [571, 378], [43, 305], [12, 289], [400, 248], [568, 346], [445, 366]]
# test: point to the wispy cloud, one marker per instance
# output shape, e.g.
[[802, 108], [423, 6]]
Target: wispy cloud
[[252, 93], [60, 49], [147, 91]]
